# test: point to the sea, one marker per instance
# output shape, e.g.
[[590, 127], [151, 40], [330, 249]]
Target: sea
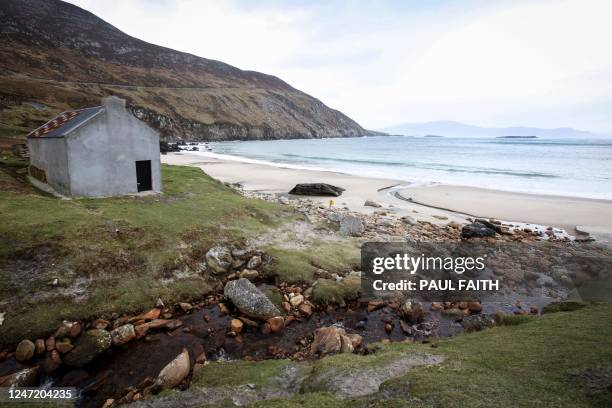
[[566, 167]]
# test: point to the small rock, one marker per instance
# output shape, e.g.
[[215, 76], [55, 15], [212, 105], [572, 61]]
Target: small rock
[[174, 372], [375, 305], [254, 262], [296, 300], [408, 220], [305, 309], [236, 326], [370, 203], [474, 307], [249, 274], [437, 306], [276, 323], [68, 329], [123, 334], [25, 351], [50, 343], [100, 324], [108, 403], [185, 307], [151, 314], [412, 312], [223, 309], [219, 259], [64, 346], [352, 226], [39, 347], [328, 340], [388, 328]]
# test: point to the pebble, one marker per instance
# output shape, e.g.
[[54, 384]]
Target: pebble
[[236, 326]]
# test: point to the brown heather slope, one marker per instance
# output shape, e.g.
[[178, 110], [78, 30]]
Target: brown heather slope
[[62, 56]]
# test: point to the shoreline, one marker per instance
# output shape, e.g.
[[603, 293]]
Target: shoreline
[[438, 204]]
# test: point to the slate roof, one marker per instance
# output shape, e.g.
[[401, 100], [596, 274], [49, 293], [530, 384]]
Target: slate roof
[[65, 123]]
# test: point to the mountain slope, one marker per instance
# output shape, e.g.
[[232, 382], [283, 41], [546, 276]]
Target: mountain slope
[[61, 56], [456, 129]]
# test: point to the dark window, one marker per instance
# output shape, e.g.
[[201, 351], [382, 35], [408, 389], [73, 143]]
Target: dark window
[[143, 175]]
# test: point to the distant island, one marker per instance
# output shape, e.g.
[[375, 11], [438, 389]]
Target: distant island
[[457, 129], [516, 137], [433, 136]]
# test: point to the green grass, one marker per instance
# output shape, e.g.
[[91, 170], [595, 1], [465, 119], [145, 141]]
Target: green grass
[[522, 365], [329, 291], [300, 265], [124, 252]]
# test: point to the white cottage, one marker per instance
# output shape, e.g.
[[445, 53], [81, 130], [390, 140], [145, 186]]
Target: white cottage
[[96, 152]]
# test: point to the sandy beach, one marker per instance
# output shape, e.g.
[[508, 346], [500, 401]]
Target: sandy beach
[[438, 204]]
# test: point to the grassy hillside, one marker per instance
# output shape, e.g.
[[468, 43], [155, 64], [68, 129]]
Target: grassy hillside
[[57, 54], [116, 254]]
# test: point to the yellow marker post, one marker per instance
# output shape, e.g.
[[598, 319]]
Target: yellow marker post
[[331, 202]]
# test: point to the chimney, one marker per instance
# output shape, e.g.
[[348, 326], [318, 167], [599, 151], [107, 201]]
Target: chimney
[[113, 103]]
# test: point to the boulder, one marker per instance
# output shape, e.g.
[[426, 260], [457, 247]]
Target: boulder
[[316, 189], [219, 259], [351, 226], [477, 322], [495, 227], [476, 230], [87, 347], [123, 334], [25, 351], [249, 299], [332, 339], [370, 203], [175, 371]]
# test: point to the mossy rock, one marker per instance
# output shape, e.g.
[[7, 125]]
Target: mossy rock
[[326, 291]]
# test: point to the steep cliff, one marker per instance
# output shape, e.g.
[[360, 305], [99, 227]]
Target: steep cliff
[[55, 56]]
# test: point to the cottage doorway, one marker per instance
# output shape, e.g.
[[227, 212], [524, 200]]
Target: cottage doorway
[[143, 175]]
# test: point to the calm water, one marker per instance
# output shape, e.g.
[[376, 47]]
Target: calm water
[[547, 166]]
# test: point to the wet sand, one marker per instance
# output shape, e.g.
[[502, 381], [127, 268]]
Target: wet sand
[[454, 202]]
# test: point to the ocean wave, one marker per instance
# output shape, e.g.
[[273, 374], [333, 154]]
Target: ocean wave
[[429, 166]]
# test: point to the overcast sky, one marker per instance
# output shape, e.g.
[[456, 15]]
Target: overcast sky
[[544, 63]]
